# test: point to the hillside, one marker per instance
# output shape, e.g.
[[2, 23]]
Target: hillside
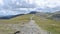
[[10, 16], [11, 25], [41, 14], [52, 26], [18, 19], [57, 12], [48, 21], [55, 16]]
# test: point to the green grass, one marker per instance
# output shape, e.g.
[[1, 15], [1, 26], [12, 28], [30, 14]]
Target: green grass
[[6, 29], [23, 18], [49, 25]]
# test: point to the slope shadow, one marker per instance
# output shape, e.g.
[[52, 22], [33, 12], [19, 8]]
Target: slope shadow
[[10, 16]]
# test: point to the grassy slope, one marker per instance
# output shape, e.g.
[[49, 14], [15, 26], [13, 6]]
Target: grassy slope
[[23, 18], [4, 24], [49, 25]]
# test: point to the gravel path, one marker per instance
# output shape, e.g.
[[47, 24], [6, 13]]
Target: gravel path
[[28, 28], [32, 28]]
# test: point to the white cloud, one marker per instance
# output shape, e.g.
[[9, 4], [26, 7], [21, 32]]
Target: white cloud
[[30, 1], [17, 3], [48, 3], [13, 1], [8, 12], [23, 9], [40, 3], [45, 3], [1, 2]]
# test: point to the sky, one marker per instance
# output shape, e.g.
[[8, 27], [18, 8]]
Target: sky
[[44, 5], [41, 3], [48, 3]]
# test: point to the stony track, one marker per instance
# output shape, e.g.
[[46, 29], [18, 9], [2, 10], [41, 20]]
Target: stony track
[[32, 28]]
